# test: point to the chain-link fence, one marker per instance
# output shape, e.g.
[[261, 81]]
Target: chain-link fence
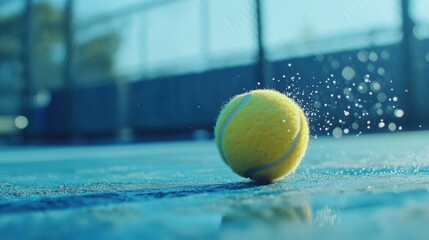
[[88, 68]]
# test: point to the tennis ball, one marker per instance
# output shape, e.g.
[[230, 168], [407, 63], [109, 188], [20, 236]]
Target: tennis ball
[[262, 135]]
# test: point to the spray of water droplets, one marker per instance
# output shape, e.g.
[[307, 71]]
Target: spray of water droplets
[[352, 102]]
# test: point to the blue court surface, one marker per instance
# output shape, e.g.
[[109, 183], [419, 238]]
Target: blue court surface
[[367, 187]]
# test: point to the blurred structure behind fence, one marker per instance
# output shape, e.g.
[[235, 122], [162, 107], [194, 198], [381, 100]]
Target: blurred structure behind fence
[[154, 69]]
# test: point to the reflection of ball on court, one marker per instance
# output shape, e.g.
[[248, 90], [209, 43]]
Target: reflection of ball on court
[[269, 215], [262, 135]]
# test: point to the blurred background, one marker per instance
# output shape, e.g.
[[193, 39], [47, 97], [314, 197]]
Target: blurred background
[[145, 70]]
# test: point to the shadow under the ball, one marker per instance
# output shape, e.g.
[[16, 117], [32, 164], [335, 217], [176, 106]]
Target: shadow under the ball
[[104, 198]]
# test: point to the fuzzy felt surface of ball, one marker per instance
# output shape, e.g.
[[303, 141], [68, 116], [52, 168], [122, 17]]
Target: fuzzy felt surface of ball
[[262, 135]]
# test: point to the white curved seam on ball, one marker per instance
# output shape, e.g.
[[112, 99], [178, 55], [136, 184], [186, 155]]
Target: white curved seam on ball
[[249, 173], [228, 120]]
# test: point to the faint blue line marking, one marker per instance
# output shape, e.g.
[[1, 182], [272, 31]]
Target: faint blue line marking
[[228, 120]]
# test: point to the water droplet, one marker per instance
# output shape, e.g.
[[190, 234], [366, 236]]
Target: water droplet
[[392, 126], [21, 122], [385, 55], [375, 86], [348, 73], [381, 97], [362, 56], [337, 132], [399, 113], [335, 64], [362, 88], [373, 57], [317, 104]]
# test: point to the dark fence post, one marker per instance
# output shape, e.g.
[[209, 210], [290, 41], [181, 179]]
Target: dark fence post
[[407, 65], [27, 76], [262, 63], [69, 67]]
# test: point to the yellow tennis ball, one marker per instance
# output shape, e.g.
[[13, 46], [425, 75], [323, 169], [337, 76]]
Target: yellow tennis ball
[[262, 135]]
